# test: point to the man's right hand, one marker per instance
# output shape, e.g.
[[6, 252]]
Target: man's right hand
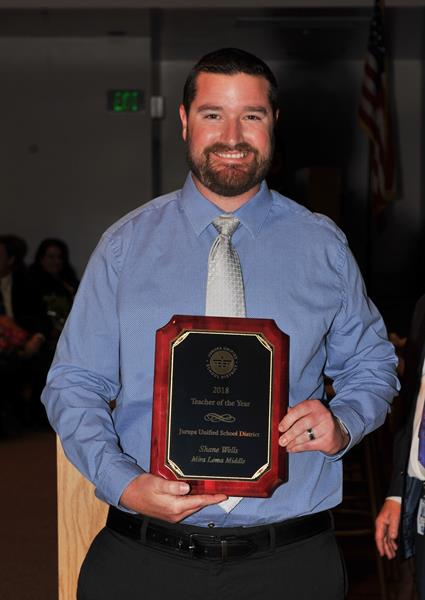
[[166, 500], [386, 528]]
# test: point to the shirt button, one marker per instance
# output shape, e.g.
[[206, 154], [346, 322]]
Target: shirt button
[[211, 525]]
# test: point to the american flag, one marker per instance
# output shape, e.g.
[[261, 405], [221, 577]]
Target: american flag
[[374, 114]]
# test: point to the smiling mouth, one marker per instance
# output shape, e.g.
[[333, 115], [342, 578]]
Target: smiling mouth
[[231, 155]]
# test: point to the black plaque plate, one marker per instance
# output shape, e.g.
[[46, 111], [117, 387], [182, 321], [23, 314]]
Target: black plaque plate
[[220, 391]]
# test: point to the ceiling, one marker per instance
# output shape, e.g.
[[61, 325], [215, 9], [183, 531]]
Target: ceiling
[[183, 34], [123, 4]]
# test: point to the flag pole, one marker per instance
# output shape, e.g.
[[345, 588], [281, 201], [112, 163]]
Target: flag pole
[[375, 120]]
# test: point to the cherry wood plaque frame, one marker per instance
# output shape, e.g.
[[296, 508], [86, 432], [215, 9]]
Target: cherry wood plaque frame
[[274, 471]]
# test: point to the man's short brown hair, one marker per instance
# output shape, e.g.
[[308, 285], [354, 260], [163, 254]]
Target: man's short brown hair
[[230, 61]]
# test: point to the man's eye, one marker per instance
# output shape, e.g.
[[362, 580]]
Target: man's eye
[[253, 117], [211, 116]]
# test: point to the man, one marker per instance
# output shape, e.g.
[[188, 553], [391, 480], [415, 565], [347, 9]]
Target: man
[[153, 264], [403, 513]]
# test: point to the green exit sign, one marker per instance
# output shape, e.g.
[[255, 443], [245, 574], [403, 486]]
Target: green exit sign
[[125, 101]]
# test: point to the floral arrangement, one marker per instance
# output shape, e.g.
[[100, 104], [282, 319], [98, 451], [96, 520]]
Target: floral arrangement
[[12, 337]]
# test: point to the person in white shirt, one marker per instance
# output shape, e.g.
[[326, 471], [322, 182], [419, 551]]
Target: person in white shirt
[[400, 524]]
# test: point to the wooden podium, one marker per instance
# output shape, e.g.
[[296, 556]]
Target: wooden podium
[[80, 516]]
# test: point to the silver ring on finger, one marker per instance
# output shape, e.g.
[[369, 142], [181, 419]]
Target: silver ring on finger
[[310, 434]]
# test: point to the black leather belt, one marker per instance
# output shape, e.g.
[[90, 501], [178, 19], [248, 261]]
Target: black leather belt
[[241, 541]]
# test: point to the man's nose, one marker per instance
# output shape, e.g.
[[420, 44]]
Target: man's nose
[[232, 132]]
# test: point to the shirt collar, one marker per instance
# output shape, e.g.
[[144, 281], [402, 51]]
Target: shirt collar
[[201, 212]]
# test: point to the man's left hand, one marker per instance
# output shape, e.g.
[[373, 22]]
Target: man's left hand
[[310, 425]]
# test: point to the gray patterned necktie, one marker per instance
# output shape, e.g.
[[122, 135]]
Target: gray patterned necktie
[[225, 290]]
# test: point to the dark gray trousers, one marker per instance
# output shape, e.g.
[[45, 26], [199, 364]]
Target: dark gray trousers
[[119, 568]]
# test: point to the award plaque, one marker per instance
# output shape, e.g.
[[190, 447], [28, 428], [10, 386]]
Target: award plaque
[[220, 390]]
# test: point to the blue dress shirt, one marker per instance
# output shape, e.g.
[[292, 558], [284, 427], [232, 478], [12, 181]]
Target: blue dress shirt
[[152, 264]]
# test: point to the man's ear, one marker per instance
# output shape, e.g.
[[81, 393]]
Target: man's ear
[[183, 119]]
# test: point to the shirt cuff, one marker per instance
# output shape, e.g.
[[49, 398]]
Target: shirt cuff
[[352, 423], [333, 457], [348, 429], [120, 473], [394, 498]]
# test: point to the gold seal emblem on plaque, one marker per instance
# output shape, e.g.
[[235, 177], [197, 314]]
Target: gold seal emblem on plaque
[[222, 362]]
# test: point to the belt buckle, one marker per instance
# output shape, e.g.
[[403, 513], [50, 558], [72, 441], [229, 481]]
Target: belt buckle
[[219, 542], [193, 537]]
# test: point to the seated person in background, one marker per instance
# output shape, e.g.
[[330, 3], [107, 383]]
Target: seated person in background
[[56, 280], [19, 298], [23, 322]]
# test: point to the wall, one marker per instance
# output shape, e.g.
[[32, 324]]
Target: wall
[[69, 168], [397, 253]]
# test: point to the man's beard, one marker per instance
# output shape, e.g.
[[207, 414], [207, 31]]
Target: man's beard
[[232, 179]]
